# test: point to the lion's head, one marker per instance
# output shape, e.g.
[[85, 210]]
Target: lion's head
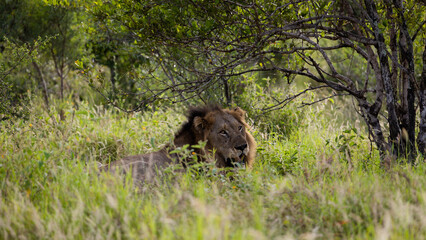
[[225, 132]]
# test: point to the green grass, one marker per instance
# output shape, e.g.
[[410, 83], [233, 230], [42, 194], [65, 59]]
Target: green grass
[[321, 181]]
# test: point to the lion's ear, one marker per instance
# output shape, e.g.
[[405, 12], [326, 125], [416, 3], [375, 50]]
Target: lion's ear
[[240, 113], [200, 123]]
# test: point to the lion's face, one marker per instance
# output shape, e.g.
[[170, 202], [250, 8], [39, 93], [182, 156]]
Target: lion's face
[[225, 132]]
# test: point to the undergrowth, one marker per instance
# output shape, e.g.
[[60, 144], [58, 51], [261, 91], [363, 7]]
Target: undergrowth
[[319, 181]]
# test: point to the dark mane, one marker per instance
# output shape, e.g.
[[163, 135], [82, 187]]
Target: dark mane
[[202, 124], [196, 112]]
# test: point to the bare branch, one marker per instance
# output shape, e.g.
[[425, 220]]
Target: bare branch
[[323, 99]]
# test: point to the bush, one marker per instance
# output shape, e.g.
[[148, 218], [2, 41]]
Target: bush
[[256, 95]]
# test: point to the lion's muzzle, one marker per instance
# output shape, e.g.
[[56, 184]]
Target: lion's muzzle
[[238, 156], [242, 150]]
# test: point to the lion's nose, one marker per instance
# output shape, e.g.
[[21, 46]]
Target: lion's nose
[[241, 147]]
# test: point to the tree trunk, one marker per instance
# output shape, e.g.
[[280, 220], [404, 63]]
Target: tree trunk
[[374, 127], [227, 92], [113, 76], [62, 86], [408, 118], [421, 137], [394, 129], [393, 45], [42, 83]]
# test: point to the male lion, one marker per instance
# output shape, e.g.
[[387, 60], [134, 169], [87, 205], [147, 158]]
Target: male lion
[[227, 142]]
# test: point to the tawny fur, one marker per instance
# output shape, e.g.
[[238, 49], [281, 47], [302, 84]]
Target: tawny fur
[[223, 130]]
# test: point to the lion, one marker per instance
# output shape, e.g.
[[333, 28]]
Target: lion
[[224, 132]]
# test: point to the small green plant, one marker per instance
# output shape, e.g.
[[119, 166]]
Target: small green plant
[[346, 142], [188, 153]]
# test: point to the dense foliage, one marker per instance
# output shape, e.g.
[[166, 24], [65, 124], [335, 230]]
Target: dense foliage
[[217, 41], [368, 50]]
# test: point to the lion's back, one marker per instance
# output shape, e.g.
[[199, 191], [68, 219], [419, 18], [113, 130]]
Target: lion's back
[[144, 167]]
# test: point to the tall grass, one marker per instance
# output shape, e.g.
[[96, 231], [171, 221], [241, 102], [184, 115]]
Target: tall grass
[[322, 181]]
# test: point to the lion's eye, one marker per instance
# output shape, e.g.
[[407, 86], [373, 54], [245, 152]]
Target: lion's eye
[[223, 133], [240, 128]]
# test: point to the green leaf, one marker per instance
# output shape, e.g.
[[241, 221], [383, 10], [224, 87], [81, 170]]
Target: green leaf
[[153, 142]]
